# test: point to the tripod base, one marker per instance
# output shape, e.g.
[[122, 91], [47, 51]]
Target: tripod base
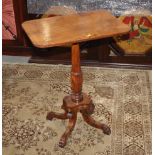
[[85, 107]]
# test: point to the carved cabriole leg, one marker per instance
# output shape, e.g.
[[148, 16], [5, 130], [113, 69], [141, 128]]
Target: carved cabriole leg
[[69, 129], [87, 118], [52, 115]]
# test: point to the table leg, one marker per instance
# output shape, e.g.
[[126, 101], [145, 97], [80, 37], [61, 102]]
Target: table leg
[[87, 118], [69, 129], [52, 115]]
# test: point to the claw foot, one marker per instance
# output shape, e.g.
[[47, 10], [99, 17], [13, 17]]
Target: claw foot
[[106, 130], [49, 116], [62, 142]]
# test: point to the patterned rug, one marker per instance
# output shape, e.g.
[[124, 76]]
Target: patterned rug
[[122, 99]]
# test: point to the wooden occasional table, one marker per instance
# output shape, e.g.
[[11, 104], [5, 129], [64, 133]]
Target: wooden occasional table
[[61, 30]]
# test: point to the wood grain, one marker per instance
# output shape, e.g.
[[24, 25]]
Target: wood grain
[[56, 31]]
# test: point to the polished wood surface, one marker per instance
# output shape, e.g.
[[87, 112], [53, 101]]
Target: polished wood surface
[[60, 30]]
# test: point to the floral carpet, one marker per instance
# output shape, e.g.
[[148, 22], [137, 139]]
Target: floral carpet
[[122, 99]]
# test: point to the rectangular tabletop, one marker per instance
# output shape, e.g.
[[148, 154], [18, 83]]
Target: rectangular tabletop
[[60, 30]]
